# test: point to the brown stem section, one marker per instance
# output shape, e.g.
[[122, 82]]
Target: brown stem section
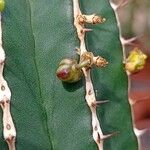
[[9, 130]]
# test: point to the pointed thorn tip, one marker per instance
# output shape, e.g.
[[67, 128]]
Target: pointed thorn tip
[[96, 103], [87, 30], [102, 102], [110, 135]]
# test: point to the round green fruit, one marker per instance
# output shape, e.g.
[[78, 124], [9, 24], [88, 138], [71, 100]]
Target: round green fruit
[[68, 72]]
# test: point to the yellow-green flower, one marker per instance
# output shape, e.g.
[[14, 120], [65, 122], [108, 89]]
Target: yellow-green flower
[[135, 61]]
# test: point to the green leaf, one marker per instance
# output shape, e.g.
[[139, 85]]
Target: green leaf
[[49, 114]]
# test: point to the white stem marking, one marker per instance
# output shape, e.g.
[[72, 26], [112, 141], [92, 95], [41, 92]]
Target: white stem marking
[[90, 94], [9, 130]]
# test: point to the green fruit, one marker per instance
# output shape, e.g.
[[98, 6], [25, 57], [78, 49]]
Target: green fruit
[[68, 72], [2, 5]]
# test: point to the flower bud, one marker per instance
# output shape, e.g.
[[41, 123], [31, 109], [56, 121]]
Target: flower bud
[[68, 72]]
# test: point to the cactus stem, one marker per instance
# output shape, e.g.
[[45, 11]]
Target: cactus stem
[[124, 61], [90, 94], [9, 130]]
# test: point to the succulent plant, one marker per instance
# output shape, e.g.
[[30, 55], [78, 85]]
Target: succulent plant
[[50, 115]]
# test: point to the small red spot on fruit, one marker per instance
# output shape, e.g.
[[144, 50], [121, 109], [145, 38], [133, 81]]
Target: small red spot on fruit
[[64, 74], [68, 72]]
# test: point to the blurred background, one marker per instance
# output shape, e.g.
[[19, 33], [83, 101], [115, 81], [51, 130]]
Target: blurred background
[[134, 16]]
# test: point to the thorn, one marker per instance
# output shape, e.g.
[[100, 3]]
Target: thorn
[[114, 6], [141, 100], [101, 102], [110, 135], [138, 132], [120, 5], [82, 31], [87, 30], [129, 41], [96, 103]]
